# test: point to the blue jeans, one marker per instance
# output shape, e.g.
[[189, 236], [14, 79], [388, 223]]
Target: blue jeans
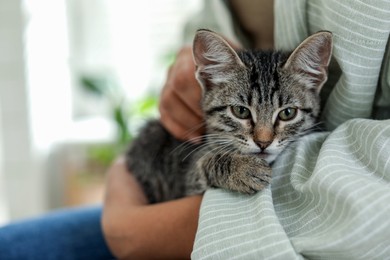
[[66, 234]]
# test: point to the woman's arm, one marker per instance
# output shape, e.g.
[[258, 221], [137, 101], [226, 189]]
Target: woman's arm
[[133, 229]]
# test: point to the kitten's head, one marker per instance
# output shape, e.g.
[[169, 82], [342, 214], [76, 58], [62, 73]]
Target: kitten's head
[[258, 102]]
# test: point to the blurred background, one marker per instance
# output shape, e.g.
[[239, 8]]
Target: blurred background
[[77, 78]]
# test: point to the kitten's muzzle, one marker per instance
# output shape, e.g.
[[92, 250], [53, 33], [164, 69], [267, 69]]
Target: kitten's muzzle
[[263, 145]]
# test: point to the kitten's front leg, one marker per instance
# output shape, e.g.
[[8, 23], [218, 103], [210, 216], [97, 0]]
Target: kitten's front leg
[[245, 173]]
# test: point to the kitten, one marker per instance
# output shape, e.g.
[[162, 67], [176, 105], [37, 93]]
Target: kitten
[[255, 103]]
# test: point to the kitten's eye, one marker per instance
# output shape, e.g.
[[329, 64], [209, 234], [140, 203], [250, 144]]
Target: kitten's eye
[[241, 112], [287, 114]]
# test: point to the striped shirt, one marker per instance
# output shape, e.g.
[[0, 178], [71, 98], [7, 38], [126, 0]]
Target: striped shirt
[[330, 193]]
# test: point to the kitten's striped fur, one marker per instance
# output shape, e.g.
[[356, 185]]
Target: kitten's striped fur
[[255, 103]]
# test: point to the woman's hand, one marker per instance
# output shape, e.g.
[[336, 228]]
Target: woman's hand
[[179, 105], [135, 230]]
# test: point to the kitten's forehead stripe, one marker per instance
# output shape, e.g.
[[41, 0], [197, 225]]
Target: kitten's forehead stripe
[[264, 79], [250, 98], [254, 81], [276, 78], [280, 98], [242, 98], [275, 85]]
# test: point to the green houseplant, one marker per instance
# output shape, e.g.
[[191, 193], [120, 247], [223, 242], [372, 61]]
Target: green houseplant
[[122, 114]]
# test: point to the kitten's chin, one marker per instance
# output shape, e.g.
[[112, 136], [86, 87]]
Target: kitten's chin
[[268, 157]]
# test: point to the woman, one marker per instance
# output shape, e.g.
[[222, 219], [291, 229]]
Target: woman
[[330, 201]]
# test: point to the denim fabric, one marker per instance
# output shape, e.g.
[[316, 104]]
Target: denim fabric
[[66, 234]]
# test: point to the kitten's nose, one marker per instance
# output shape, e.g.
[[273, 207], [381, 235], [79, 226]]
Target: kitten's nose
[[263, 145], [263, 136]]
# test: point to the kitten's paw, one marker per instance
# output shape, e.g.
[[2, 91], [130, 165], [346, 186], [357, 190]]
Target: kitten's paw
[[249, 175]]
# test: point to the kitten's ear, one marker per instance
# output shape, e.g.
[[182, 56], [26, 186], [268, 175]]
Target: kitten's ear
[[214, 58], [311, 59]]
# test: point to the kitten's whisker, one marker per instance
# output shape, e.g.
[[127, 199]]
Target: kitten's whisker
[[316, 126], [223, 155], [217, 148], [206, 154], [194, 129], [183, 146], [192, 142], [231, 150], [288, 141], [205, 137], [217, 153], [194, 150], [205, 145]]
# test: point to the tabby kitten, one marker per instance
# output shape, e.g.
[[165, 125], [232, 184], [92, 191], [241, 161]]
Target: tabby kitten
[[255, 103]]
